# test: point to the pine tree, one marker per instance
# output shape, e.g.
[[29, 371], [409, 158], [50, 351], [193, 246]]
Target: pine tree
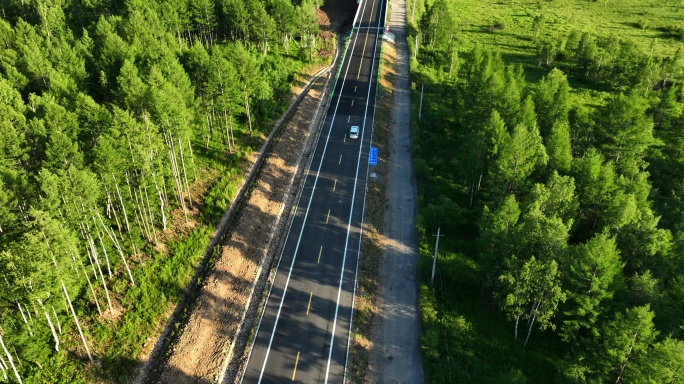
[[497, 233], [551, 100], [594, 270], [625, 133], [559, 148], [521, 153]]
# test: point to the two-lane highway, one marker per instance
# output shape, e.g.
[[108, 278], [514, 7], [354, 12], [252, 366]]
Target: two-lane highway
[[304, 332]]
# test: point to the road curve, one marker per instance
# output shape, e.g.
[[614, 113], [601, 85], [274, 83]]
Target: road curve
[[304, 332]]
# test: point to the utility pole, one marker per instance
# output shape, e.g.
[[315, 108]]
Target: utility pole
[[434, 258], [420, 107]]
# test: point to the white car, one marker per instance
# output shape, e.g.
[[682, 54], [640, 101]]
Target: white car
[[354, 132]]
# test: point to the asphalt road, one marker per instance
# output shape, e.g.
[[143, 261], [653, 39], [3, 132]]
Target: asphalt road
[[304, 332]]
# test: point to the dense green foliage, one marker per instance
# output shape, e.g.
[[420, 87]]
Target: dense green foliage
[[562, 260], [112, 116]]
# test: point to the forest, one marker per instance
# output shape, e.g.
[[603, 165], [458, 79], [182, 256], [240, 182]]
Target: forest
[[550, 154], [122, 128]]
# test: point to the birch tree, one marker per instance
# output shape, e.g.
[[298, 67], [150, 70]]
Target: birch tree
[[10, 360], [252, 85], [626, 339], [532, 285]]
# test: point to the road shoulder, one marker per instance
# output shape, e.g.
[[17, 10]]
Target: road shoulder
[[395, 356]]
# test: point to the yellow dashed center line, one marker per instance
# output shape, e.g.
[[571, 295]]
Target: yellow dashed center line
[[335, 185], [365, 41], [355, 88], [309, 306], [319, 254], [328, 217], [294, 373], [363, 53]]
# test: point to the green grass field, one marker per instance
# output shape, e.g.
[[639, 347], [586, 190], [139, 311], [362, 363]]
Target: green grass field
[[624, 18]]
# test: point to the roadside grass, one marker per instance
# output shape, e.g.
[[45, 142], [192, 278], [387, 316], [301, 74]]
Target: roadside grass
[[365, 306]]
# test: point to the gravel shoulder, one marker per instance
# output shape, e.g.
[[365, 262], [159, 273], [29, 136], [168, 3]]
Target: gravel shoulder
[[395, 356]]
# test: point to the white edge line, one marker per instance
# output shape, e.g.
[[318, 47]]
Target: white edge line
[[294, 256], [351, 212], [363, 212], [305, 174]]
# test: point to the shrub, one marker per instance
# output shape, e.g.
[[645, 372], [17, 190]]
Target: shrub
[[674, 31], [497, 26]]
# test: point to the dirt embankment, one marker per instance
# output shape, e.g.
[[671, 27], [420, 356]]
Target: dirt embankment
[[211, 345]]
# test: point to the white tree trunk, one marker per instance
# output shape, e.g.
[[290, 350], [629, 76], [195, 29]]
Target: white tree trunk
[[185, 175], [249, 115], [78, 325], [92, 263], [192, 160], [9, 357], [92, 291], [140, 211], [228, 130], [529, 330], [23, 316], [59, 325], [123, 206], [176, 176], [5, 367], [161, 203], [109, 267], [149, 210], [102, 278], [135, 207], [112, 236], [52, 327]]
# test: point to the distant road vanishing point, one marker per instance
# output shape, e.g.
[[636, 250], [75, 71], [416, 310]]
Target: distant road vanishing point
[[303, 335]]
